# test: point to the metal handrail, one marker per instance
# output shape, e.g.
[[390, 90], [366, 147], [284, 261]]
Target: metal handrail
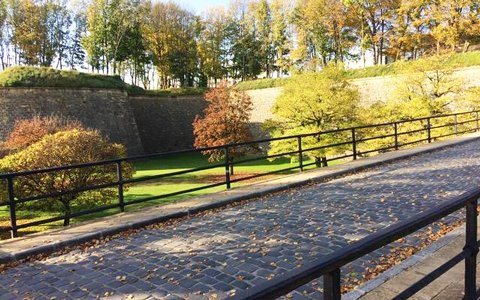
[[354, 137], [329, 266]]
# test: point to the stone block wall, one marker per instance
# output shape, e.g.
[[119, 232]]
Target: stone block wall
[[165, 123], [106, 110]]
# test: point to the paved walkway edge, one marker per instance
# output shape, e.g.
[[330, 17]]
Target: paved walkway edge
[[58, 239]]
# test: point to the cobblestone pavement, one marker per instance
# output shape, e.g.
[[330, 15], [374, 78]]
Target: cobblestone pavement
[[206, 257]]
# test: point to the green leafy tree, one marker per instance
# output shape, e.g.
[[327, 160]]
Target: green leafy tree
[[212, 45], [301, 109], [170, 32]]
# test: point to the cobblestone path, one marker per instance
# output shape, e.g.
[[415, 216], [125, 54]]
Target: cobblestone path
[[206, 257]]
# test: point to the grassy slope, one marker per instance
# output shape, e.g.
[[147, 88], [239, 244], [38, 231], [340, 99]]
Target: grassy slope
[[164, 186], [460, 60], [48, 77], [24, 76]]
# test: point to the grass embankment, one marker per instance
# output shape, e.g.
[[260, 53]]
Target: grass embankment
[[458, 60], [38, 77], [49, 77], [165, 185], [188, 91]]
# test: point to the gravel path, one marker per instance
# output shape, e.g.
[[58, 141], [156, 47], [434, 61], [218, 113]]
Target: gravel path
[[206, 257]]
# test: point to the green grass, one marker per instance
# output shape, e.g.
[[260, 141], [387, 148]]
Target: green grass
[[458, 60], [187, 91], [261, 84], [49, 77], [167, 185], [26, 76]]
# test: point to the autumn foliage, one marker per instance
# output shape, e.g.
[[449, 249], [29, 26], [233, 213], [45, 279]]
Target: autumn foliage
[[29, 131], [60, 149], [225, 121]]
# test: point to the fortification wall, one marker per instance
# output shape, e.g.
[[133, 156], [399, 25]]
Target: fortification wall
[[156, 124], [106, 110], [165, 123]]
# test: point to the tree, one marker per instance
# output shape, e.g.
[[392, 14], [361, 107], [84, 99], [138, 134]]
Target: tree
[[428, 89], [373, 21], [170, 34], [3, 32], [302, 109], [76, 53], [325, 30], [60, 149], [212, 45], [280, 43], [225, 121]]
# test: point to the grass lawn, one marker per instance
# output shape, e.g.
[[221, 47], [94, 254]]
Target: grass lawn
[[166, 185], [457, 60]]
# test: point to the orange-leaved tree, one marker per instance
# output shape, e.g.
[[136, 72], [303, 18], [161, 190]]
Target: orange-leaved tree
[[26, 132], [225, 121]]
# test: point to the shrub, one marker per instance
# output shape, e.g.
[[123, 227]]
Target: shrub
[[29, 131], [225, 122], [60, 149]]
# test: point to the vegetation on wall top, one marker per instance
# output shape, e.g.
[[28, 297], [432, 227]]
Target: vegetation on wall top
[[451, 61], [26, 76]]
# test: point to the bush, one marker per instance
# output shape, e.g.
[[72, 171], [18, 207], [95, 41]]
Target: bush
[[29, 131], [60, 149]]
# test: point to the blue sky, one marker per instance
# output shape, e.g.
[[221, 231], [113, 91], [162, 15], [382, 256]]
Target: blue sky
[[201, 5]]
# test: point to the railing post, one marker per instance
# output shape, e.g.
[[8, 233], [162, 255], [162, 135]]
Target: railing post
[[471, 245], [227, 168], [429, 128], [455, 124], [300, 153], [331, 285], [476, 121], [121, 200], [12, 205], [395, 125], [354, 144]]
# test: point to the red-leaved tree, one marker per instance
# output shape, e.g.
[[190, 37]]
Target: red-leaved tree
[[225, 121]]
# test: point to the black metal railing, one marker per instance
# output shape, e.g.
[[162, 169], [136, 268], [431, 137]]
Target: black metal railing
[[329, 266], [355, 144]]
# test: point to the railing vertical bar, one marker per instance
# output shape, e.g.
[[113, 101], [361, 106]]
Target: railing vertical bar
[[395, 125], [471, 245], [476, 121], [331, 285], [13, 207], [227, 168], [121, 200], [455, 124], [354, 144], [300, 153], [429, 129]]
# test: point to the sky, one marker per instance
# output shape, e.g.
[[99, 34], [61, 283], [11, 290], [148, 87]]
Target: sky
[[199, 6]]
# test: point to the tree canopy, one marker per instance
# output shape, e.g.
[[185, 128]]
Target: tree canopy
[[163, 45]]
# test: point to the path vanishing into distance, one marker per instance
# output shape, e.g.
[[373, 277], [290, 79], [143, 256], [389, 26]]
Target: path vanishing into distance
[[210, 256]]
